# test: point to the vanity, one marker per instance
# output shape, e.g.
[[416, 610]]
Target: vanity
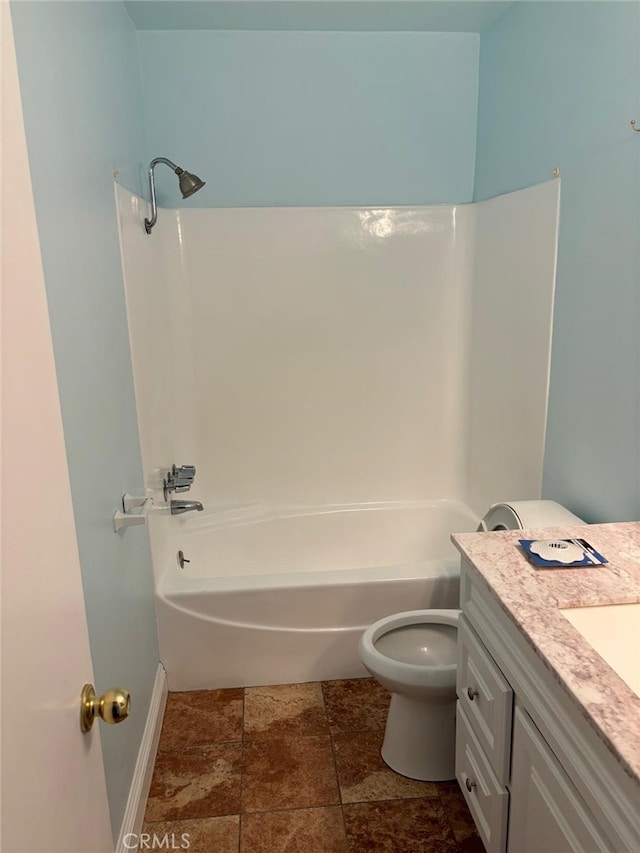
[[548, 732]]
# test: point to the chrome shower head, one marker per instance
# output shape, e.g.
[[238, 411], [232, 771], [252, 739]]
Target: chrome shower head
[[189, 184]]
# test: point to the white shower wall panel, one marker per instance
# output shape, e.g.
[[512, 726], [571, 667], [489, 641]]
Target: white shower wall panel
[[163, 373], [315, 356], [510, 343], [327, 350], [157, 313]]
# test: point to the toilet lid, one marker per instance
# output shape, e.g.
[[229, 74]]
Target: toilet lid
[[519, 515], [425, 644]]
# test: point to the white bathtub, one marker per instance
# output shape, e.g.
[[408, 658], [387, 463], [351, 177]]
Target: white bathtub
[[283, 596]]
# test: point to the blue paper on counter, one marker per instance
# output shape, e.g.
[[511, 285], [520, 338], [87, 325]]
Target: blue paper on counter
[[590, 559]]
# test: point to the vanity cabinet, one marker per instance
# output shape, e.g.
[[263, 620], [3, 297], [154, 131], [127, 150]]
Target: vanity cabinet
[[535, 774]]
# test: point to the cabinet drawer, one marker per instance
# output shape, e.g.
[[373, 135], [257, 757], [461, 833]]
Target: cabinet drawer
[[486, 698], [487, 799]]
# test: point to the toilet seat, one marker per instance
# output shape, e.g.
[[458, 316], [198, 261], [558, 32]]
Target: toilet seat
[[411, 674]]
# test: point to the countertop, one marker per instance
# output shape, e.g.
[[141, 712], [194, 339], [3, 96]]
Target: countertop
[[531, 598]]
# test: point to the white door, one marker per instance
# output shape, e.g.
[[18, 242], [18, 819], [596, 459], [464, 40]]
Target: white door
[[546, 812], [53, 787]]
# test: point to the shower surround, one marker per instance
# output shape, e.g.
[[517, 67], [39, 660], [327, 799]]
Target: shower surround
[[353, 385]]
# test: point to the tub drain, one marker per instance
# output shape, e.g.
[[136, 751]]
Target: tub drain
[[182, 559]]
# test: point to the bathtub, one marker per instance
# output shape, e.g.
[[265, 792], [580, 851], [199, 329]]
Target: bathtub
[[282, 596]]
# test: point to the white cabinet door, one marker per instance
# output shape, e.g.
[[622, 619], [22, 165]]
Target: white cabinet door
[[53, 787], [546, 812]]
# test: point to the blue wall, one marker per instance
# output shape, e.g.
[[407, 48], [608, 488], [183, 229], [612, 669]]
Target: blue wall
[[558, 87], [82, 106], [313, 118]]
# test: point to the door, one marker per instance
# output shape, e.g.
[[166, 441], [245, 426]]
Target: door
[[546, 812], [53, 787]]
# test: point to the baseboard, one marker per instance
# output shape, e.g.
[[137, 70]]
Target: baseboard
[[141, 782]]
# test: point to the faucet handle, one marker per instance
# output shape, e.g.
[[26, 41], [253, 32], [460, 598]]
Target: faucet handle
[[183, 471], [170, 485], [179, 479]]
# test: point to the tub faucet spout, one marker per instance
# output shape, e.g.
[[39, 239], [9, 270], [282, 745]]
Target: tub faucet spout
[[178, 507]]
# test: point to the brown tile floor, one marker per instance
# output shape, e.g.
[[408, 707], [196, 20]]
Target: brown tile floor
[[295, 768]]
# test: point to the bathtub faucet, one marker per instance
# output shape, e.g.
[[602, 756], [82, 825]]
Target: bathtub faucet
[[178, 507], [179, 479]]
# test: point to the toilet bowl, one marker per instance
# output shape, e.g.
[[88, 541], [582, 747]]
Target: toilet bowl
[[414, 654]]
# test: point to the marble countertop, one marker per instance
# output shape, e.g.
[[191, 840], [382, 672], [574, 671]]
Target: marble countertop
[[532, 598]]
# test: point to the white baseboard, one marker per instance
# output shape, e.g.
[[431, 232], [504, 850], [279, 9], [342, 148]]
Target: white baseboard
[[141, 782]]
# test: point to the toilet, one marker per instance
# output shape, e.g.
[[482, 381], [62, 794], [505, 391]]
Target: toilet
[[414, 655]]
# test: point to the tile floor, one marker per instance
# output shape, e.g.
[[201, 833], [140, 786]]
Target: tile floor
[[295, 768]]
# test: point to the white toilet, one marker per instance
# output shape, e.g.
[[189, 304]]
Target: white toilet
[[414, 654]]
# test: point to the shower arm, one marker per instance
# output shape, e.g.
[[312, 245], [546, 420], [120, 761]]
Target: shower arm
[[149, 223]]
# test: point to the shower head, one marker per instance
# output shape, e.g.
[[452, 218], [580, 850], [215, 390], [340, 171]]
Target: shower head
[[189, 184]]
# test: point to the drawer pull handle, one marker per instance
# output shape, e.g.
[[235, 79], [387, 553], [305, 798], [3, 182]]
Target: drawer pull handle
[[469, 785], [471, 693]]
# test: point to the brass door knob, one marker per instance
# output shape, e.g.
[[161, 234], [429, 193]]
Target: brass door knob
[[112, 707]]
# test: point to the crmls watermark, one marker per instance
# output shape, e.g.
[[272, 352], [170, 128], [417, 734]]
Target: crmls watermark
[[148, 841]]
